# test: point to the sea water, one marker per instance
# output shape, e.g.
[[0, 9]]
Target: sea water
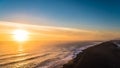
[[51, 55]]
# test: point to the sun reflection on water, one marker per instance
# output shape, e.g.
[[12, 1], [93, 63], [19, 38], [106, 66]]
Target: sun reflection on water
[[20, 48]]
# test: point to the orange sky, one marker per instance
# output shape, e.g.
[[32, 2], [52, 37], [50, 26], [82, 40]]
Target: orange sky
[[38, 33]]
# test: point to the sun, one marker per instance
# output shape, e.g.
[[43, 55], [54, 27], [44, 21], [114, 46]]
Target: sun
[[20, 35]]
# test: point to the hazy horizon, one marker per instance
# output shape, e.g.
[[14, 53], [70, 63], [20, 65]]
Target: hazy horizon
[[37, 33]]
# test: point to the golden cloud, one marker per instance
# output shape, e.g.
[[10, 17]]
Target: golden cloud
[[38, 32]]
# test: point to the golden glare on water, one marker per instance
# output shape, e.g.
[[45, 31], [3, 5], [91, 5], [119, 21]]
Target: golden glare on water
[[20, 35]]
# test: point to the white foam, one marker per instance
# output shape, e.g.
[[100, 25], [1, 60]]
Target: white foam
[[59, 63], [117, 44], [79, 50]]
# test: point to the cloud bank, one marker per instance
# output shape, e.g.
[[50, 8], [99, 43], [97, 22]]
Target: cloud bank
[[38, 32]]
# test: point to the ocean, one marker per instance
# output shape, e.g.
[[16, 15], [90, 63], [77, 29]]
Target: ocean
[[49, 55]]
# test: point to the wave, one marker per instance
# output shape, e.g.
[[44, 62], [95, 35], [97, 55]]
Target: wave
[[53, 57], [26, 59]]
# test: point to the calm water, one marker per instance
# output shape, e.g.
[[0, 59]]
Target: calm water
[[39, 56]]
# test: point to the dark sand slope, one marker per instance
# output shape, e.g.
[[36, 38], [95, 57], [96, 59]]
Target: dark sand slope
[[104, 55]]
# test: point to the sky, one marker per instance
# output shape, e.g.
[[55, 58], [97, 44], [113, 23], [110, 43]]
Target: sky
[[52, 33], [85, 14], [90, 15]]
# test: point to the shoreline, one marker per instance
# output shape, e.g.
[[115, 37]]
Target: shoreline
[[96, 56]]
